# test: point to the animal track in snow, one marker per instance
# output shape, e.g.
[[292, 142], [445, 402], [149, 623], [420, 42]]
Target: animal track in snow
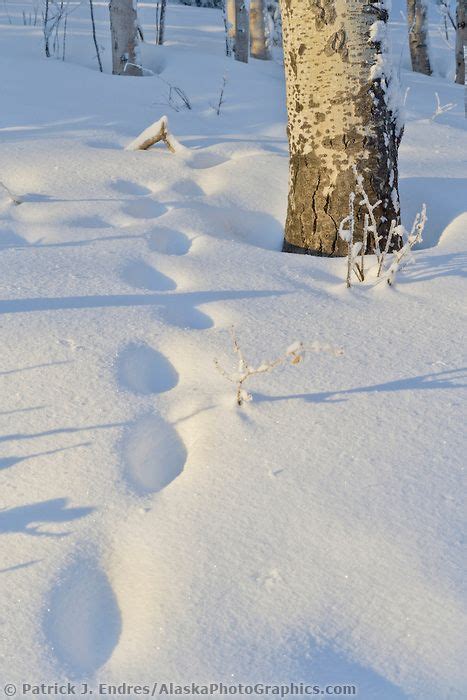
[[144, 209], [187, 188], [168, 241], [83, 622], [187, 317], [143, 370], [139, 274], [129, 187], [154, 455]]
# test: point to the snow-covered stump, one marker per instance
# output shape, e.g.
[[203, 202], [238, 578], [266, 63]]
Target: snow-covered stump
[[259, 30], [343, 113], [124, 35], [417, 17], [461, 42], [159, 131], [242, 42]]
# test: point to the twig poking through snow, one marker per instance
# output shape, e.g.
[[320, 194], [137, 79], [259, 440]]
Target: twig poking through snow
[[441, 109], [404, 255], [159, 131], [294, 354], [356, 250], [221, 96]]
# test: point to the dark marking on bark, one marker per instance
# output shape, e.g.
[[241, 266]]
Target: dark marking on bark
[[337, 44], [324, 12]]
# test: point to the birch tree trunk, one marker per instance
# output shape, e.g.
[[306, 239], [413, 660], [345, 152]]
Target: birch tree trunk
[[341, 116], [231, 24], [417, 16], [461, 40], [124, 34], [161, 27], [242, 44], [259, 30]]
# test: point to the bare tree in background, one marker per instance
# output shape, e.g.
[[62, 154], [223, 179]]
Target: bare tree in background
[[161, 23], [94, 37], [242, 42], [461, 40], [124, 34], [259, 30], [342, 115], [417, 17], [46, 31], [230, 17]]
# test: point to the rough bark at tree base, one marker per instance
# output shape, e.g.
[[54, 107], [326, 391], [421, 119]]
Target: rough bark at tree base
[[314, 213]]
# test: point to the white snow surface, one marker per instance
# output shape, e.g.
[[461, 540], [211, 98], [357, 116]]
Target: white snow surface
[[149, 528]]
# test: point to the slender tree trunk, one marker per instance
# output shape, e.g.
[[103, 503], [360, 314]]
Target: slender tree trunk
[[417, 16], [340, 117], [161, 31], [231, 24], [93, 24], [242, 43], [461, 40], [259, 30], [124, 32], [46, 29]]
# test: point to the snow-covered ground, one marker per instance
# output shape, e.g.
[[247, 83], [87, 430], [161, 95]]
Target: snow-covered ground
[[150, 530]]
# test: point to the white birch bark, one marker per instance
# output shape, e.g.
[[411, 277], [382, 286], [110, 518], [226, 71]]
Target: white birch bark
[[259, 30], [242, 43], [461, 40], [231, 24], [342, 113], [124, 35], [417, 17]]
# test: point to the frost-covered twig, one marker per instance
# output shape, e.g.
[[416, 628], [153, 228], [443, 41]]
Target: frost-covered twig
[[404, 255], [394, 229], [14, 198], [221, 95], [372, 226], [441, 109], [353, 249], [293, 354], [159, 131], [356, 250]]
